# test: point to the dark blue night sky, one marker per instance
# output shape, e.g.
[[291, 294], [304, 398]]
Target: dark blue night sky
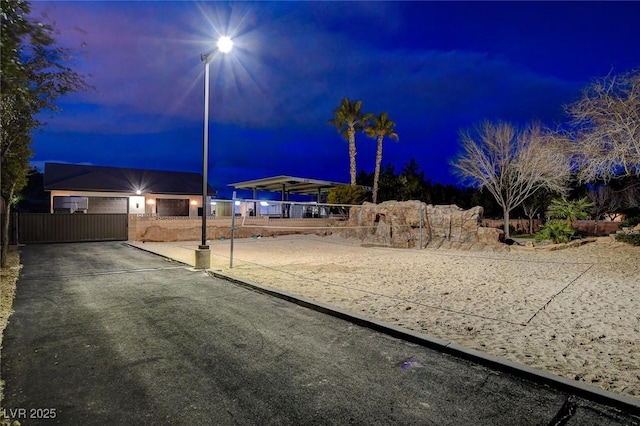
[[435, 67]]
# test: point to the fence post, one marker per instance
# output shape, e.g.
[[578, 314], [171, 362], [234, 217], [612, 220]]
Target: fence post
[[421, 218], [233, 226], [16, 226]]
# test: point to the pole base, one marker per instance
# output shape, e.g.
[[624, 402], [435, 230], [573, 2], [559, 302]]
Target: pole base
[[203, 258]]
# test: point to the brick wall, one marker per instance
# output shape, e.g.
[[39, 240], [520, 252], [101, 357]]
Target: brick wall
[[602, 228], [520, 225], [586, 226]]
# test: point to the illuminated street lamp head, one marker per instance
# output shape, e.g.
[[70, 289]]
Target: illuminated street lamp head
[[225, 44]]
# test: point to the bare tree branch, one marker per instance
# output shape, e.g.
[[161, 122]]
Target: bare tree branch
[[606, 132]]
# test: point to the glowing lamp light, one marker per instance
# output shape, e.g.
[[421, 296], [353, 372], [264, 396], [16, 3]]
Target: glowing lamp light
[[237, 203], [151, 202], [194, 203], [225, 44], [264, 204], [138, 192]]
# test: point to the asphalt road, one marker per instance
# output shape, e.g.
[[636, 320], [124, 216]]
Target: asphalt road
[[104, 333]]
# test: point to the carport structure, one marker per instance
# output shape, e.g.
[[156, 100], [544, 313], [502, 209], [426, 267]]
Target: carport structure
[[289, 185]]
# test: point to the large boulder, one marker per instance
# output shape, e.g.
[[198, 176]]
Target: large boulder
[[411, 223]]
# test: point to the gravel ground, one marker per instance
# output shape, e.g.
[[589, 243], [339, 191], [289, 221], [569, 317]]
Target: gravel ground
[[7, 292]]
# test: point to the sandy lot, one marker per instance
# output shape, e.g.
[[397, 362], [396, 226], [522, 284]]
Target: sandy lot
[[573, 312]]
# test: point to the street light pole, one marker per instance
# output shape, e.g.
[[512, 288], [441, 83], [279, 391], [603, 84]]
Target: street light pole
[[205, 154], [203, 255]]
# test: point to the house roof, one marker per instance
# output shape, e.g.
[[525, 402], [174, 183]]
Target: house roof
[[77, 177], [291, 184]]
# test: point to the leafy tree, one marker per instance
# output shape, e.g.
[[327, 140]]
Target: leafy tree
[[570, 210], [379, 128], [348, 119], [535, 205], [411, 181], [33, 198], [387, 184], [512, 165], [471, 197], [346, 194], [33, 76]]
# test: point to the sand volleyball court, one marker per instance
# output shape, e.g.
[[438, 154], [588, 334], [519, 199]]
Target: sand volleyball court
[[574, 312]]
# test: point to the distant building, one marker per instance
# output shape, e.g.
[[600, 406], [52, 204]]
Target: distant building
[[76, 188]]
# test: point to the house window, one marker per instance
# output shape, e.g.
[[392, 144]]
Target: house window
[[172, 207], [70, 204]]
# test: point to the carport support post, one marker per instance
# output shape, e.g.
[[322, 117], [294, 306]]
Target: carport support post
[[255, 203]]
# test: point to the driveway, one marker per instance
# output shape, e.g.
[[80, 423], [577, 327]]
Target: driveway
[[104, 333]]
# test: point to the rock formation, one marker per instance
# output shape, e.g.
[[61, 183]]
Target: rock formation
[[411, 223]]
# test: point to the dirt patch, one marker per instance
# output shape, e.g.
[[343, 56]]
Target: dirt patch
[[8, 280]]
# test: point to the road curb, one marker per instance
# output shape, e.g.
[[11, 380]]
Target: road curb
[[586, 391]]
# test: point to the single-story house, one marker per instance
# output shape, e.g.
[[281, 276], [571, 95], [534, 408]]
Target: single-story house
[[76, 188]]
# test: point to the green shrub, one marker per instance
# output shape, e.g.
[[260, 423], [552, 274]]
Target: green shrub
[[558, 231], [630, 222], [346, 194], [633, 239]]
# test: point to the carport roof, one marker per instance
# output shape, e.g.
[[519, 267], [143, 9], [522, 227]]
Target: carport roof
[[291, 184], [78, 177]]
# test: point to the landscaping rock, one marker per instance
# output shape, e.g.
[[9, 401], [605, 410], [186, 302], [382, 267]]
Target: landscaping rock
[[399, 224]]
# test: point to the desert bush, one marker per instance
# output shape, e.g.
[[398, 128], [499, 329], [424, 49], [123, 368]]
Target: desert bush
[[558, 231], [630, 222], [346, 194], [633, 239]]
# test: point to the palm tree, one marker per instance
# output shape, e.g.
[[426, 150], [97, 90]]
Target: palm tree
[[378, 128], [348, 119], [562, 208]]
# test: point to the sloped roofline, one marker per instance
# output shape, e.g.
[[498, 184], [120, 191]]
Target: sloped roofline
[[79, 177]]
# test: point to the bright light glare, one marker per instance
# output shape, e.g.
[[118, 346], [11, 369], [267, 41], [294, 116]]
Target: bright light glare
[[264, 203], [225, 44]]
